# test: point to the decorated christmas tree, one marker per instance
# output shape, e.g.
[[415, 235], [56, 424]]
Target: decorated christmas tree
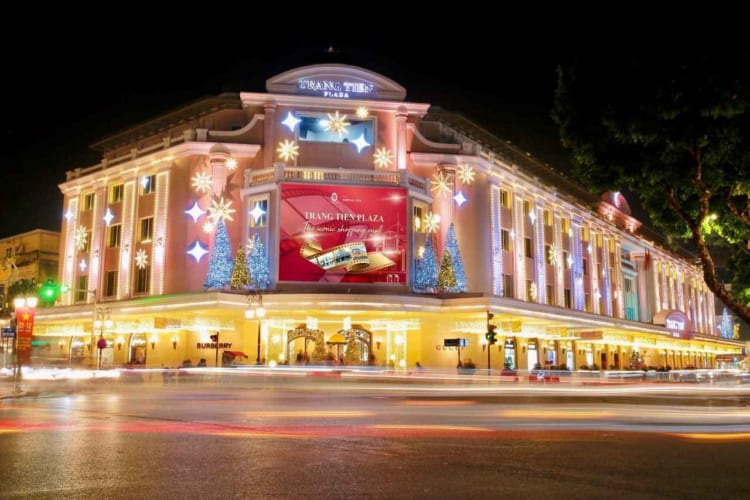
[[240, 278], [220, 264], [726, 329], [426, 270], [260, 275], [352, 356], [451, 246], [446, 278]]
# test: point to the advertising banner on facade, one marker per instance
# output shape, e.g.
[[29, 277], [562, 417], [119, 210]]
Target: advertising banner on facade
[[24, 328], [342, 234]]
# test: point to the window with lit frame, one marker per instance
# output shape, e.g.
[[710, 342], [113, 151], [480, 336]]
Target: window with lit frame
[[258, 212], [82, 286], [418, 211], [110, 284], [116, 193], [142, 279], [88, 202], [113, 235], [146, 230], [148, 184]]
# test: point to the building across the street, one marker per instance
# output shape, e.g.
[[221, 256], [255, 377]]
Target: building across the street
[[368, 230]]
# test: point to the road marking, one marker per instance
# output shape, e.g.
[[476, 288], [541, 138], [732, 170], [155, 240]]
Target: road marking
[[718, 436]]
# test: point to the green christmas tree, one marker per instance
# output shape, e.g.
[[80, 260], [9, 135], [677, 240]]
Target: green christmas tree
[[451, 245], [446, 277], [240, 278], [352, 355]]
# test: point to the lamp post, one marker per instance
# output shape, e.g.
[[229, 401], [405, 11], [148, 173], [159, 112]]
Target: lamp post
[[255, 309], [102, 322], [25, 308]]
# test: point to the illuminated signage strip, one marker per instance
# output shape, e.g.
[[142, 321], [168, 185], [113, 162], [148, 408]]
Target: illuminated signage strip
[[338, 89]]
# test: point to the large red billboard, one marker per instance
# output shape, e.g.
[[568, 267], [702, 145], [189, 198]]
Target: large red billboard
[[342, 234]]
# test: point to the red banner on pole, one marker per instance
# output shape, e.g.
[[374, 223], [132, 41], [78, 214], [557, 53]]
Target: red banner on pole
[[24, 327]]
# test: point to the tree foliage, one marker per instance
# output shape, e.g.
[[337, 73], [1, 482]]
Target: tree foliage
[[672, 126]]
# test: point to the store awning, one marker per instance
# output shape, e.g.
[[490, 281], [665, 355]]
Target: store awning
[[336, 339], [237, 354]]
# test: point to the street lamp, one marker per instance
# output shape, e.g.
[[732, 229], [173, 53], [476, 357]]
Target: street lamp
[[102, 322], [25, 308], [255, 309]]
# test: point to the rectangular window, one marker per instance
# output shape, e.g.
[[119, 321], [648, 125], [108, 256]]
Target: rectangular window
[[147, 229], [418, 219], [115, 193], [587, 302], [82, 288], [148, 184], [528, 249], [547, 217], [550, 257], [258, 213], [505, 240], [526, 208], [324, 129], [568, 301], [142, 280], [585, 265], [565, 259], [87, 243], [565, 223], [113, 236], [584, 233], [505, 198], [88, 201], [599, 240], [551, 295], [507, 285], [529, 289], [110, 284]]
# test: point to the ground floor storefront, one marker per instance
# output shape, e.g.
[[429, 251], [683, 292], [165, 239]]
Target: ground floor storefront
[[390, 331]]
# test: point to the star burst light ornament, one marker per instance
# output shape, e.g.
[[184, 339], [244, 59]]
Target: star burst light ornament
[[202, 182], [552, 255], [108, 216], [466, 174], [208, 227], [440, 183], [362, 112], [337, 123], [459, 198], [221, 210], [141, 259], [82, 265], [231, 164], [383, 158], [81, 237], [69, 214], [290, 121], [288, 150], [431, 222]]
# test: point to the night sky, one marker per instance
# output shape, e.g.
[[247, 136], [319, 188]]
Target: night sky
[[89, 79]]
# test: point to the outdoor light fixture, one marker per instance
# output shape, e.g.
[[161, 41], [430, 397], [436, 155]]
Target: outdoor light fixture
[[378, 341], [153, 342], [255, 309], [174, 343]]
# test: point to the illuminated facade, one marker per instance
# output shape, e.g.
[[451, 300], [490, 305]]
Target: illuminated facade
[[334, 186]]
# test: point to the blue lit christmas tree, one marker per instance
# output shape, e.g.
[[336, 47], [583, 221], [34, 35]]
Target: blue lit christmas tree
[[257, 265], [451, 246], [221, 262], [726, 327], [426, 270]]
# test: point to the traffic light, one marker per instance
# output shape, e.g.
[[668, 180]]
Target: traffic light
[[215, 338], [50, 291], [491, 334]]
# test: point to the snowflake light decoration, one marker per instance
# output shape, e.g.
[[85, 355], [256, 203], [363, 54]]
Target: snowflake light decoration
[[466, 174], [552, 255], [431, 222], [202, 182], [383, 158], [81, 238], [362, 112], [249, 246], [141, 259], [288, 150], [337, 123], [208, 227], [231, 164], [440, 183], [221, 210]]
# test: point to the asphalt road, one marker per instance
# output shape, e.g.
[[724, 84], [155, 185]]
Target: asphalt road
[[320, 437]]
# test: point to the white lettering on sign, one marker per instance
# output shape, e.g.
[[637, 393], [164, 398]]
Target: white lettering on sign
[[675, 324], [340, 89]]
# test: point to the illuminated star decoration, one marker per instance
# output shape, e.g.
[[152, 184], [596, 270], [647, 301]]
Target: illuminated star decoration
[[431, 222], [141, 259], [81, 237], [291, 121], [466, 174], [221, 210], [383, 158], [362, 112], [532, 215], [288, 150], [459, 198], [195, 212], [197, 251], [108, 216], [82, 265], [231, 164], [69, 214], [337, 123], [440, 181], [257, 212], [552, 255], [202, 182], [361, 143], [208, 227]]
